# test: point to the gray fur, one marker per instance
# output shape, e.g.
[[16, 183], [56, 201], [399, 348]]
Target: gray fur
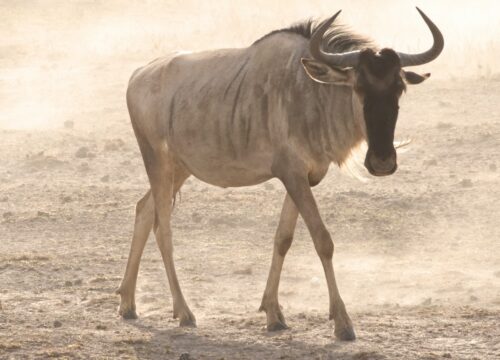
[[229, 108]]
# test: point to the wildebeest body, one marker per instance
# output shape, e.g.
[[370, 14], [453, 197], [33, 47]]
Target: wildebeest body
[[246, 105]]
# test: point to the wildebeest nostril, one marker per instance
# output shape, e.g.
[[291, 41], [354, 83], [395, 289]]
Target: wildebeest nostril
[[382, 165]]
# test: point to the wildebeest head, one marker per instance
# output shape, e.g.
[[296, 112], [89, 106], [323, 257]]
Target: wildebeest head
[[378, 80]]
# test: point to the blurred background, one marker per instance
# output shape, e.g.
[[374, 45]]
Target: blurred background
[[54, 54]]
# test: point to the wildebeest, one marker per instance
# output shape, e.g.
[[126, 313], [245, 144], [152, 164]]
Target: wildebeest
[[285, 107]]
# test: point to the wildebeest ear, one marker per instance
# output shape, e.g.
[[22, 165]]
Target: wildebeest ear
[[414, 78], [326, 74]]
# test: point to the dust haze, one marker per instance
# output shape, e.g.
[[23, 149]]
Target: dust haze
[[416, 254]]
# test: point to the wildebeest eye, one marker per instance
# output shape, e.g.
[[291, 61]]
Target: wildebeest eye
[[400, 87]]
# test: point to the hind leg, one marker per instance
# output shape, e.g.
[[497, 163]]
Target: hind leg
[[180, 308], [144, 217], [161, 166]]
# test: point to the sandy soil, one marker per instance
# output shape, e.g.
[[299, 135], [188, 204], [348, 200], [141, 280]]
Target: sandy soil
[[417, 253]]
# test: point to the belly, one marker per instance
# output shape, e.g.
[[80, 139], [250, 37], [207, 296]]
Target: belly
[[231, 176], [220, 128], [221, 153]]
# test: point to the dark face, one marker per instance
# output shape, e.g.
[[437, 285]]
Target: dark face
[[379, 86]]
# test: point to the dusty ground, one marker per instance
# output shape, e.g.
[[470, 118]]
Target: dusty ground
[[417, 253]]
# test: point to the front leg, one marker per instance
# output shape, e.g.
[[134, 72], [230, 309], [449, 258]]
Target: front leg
[[294, 175], [282, 241]]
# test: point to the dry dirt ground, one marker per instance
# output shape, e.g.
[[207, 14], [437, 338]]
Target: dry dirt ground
[[417, 253]]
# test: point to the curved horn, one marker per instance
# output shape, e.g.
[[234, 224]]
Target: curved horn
[[347, 59], [429, 55]]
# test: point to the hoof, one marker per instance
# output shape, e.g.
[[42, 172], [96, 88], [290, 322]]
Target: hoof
[[188, 323], [187, 318], [275, 318], [277, 326], [345, 334], [129, 314]]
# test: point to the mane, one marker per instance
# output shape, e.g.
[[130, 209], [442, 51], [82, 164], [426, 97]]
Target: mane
[[338, 38]]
